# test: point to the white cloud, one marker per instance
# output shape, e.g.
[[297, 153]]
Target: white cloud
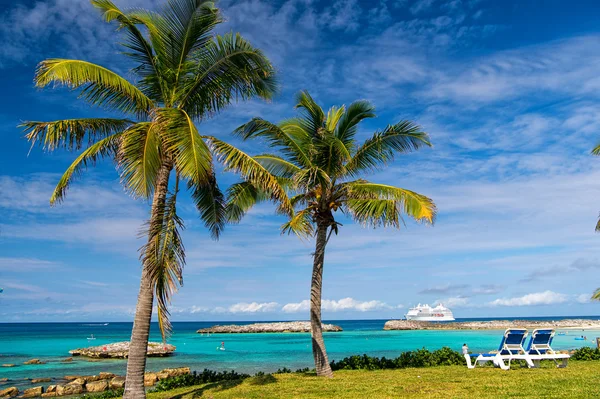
[[538, 298], [253, 307], [584, 298], [20, 265], [454, 302], [344, 304]]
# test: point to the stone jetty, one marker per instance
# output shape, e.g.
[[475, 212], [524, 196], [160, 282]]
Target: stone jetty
[[120, 350], [280, 327], [492, 324]]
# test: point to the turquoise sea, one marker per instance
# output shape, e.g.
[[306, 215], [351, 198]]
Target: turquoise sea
[[248, 353]]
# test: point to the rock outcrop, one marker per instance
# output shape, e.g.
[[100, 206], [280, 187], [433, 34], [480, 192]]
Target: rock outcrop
[[489, 325], [34, 361], [34, 392], [8, 365], [9, 392], [121, 350], [97, 386], [117, 382], [280, 327], [69, 389]]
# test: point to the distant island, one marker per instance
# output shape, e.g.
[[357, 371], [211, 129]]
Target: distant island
[[490, 325], [279, 327], [120, 350]]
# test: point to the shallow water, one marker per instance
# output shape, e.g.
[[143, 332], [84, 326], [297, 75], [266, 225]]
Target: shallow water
[[248, 353]]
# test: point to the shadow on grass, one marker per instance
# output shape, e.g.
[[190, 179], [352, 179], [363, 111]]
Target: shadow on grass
[[263, 380], [199, 392]]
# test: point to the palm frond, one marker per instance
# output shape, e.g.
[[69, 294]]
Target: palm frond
[[241, 197], [289, 137], [138, 48], [71, 133], [313, 117], [598, 225], [300, 224], [348, 124], [596, 295], [140, 158], [107, 147], [333, 117], [375, 212], [380, 149], [193, 159], [101, 86], [227, 69], [164, 259], [596, 150], [415, 205], [277, 166], [251, 170], [210, 202]]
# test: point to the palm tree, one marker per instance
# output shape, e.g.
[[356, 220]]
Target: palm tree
[[184, 74], [320, 163]]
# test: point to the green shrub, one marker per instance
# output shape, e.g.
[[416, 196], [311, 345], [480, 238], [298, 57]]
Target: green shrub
[[112, 393], [586, 353], [418, 358], [196, 378]]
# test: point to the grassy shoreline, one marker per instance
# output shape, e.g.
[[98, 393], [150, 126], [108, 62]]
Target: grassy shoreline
[[579, 380]]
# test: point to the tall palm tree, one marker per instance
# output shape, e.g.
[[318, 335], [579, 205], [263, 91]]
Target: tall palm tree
[[321, 164], [183, 74]]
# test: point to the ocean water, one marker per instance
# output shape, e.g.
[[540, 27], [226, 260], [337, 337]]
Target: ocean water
[[248, 353]]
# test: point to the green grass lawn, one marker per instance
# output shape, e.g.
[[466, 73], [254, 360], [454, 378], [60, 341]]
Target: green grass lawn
[[578, 380]]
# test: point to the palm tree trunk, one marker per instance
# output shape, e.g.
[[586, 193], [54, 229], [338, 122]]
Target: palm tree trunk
[[138, 346], [318, 345]]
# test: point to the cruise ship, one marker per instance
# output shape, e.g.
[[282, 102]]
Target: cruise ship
[[427, 313]]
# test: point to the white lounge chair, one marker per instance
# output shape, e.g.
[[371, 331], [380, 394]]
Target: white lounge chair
[[539, 348], [511, 348]]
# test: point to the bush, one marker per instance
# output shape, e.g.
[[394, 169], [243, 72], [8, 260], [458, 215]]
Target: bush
[[195, 378], [112, 393], [418, 358], [586, 353]]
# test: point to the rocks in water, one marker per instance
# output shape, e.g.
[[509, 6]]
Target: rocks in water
[[97, 386], [121, 350], [117, 382], [51, 388], [9, 365], [4, 380], [38, 380], [488, 325], [71, 377], [34, 392], [34, 361], [67, 360], [9, 392], [49, 394], [106, 376], [280, 327], [69, 389], [78, 381]]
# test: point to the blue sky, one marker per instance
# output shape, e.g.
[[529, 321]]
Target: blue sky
[[507, 90]]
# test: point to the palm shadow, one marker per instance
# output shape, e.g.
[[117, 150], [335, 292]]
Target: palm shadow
[[199, 392]]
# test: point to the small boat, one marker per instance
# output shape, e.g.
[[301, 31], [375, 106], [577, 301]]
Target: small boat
[[579, 338], [91, 338]]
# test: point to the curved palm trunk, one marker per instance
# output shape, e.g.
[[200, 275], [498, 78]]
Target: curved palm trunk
[[318, 345], [138, 346]]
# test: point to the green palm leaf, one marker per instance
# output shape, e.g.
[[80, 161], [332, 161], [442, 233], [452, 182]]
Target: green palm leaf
[[210, 202], [71, 133], [417, 206], [193, 159], [251, 170], [300, 224], [277, 166], [100, 86], [140, 158], [107, 147], [348, 124], [313, 117], [240, 198], [227, 69], [377, 151]]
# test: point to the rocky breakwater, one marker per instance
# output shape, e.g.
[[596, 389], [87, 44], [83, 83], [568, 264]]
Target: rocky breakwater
[[78, 384], [492, 324], [120, 350], [281, 327]]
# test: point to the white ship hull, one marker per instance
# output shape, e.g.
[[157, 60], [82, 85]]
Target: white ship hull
[[430, 318], [427, 313]]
